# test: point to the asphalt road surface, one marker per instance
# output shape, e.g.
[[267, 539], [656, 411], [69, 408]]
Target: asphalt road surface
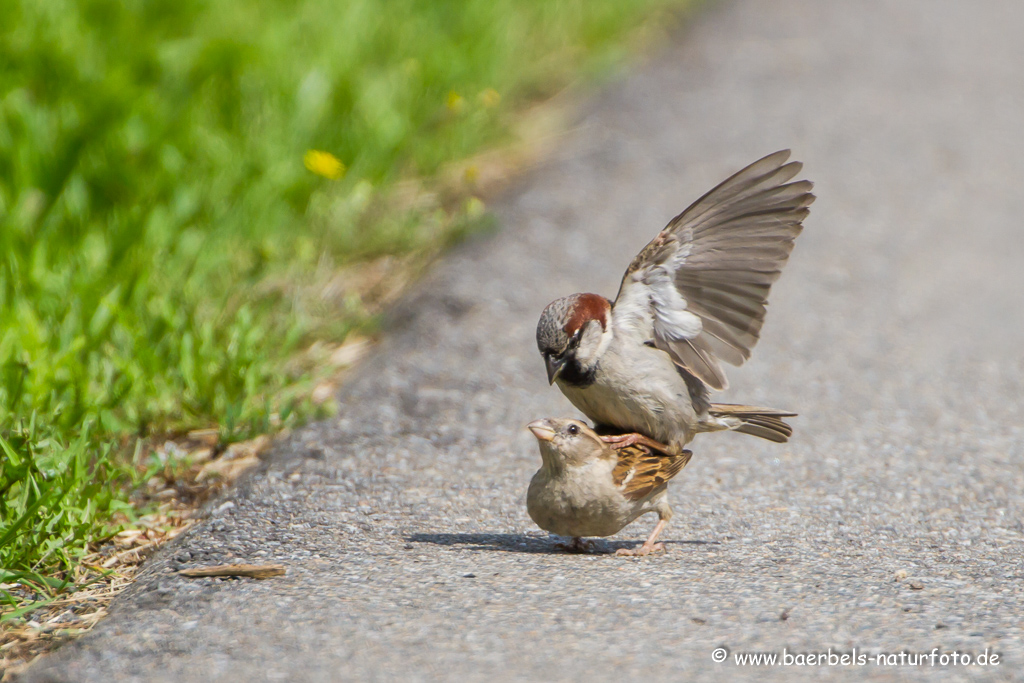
[[891, 522]]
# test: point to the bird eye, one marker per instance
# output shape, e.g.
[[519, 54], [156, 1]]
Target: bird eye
[[573, 430]]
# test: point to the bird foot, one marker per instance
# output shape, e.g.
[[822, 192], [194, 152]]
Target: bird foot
[[634, 438], [577, 545], [643, 550]]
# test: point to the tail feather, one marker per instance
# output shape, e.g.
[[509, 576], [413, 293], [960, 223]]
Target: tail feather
[[766, 423]]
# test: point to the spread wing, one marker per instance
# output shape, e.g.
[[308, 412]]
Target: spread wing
[[641, 471], [699, 289]]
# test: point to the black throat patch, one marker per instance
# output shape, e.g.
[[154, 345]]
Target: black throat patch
[[574, 375]]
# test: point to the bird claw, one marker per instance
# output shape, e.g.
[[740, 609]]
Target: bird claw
[[577, 545], [641, 551], [632, 439]]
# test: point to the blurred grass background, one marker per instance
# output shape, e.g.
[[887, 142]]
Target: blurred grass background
[[175, 175]]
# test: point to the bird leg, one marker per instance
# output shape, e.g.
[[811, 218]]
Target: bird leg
[[634, 438], [649, 545], [577, 545]]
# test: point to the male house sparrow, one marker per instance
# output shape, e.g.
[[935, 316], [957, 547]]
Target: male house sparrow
[[694, 296], [587, 488]]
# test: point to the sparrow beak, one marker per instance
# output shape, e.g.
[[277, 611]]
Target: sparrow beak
[[542, 429], [555, 366]]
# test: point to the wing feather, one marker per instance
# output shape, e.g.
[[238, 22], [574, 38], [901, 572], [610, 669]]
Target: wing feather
[[717, 261], [641, 471]]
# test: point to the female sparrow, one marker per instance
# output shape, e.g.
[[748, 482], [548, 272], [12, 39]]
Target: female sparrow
[[694, 296], [587, 488]]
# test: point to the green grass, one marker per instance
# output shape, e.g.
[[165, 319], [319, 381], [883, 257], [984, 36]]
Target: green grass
[[160, 235], [54, 497]]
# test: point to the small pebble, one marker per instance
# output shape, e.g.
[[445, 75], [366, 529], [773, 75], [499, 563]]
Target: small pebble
[[223, 507]]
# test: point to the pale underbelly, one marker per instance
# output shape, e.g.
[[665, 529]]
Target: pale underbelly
[[567, 517], [568, 524], [662, 415]]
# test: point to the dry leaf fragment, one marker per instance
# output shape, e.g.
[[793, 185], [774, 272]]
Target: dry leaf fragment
[[227, 468], [208, 437], [255, 571], [350, 353]]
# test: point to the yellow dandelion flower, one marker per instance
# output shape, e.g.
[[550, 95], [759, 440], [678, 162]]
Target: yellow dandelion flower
[[471, 174], [324, 163], [490, 98], [455, 102]]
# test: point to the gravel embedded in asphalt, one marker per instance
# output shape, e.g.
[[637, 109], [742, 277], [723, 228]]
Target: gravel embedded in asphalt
[[891, 521]]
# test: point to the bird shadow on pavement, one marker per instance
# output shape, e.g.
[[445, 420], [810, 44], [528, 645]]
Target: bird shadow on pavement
[[522, 543]]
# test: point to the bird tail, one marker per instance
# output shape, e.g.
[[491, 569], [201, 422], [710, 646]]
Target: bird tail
[[763, 422]]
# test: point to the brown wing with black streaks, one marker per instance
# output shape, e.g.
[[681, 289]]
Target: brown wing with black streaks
[[641, 471]]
